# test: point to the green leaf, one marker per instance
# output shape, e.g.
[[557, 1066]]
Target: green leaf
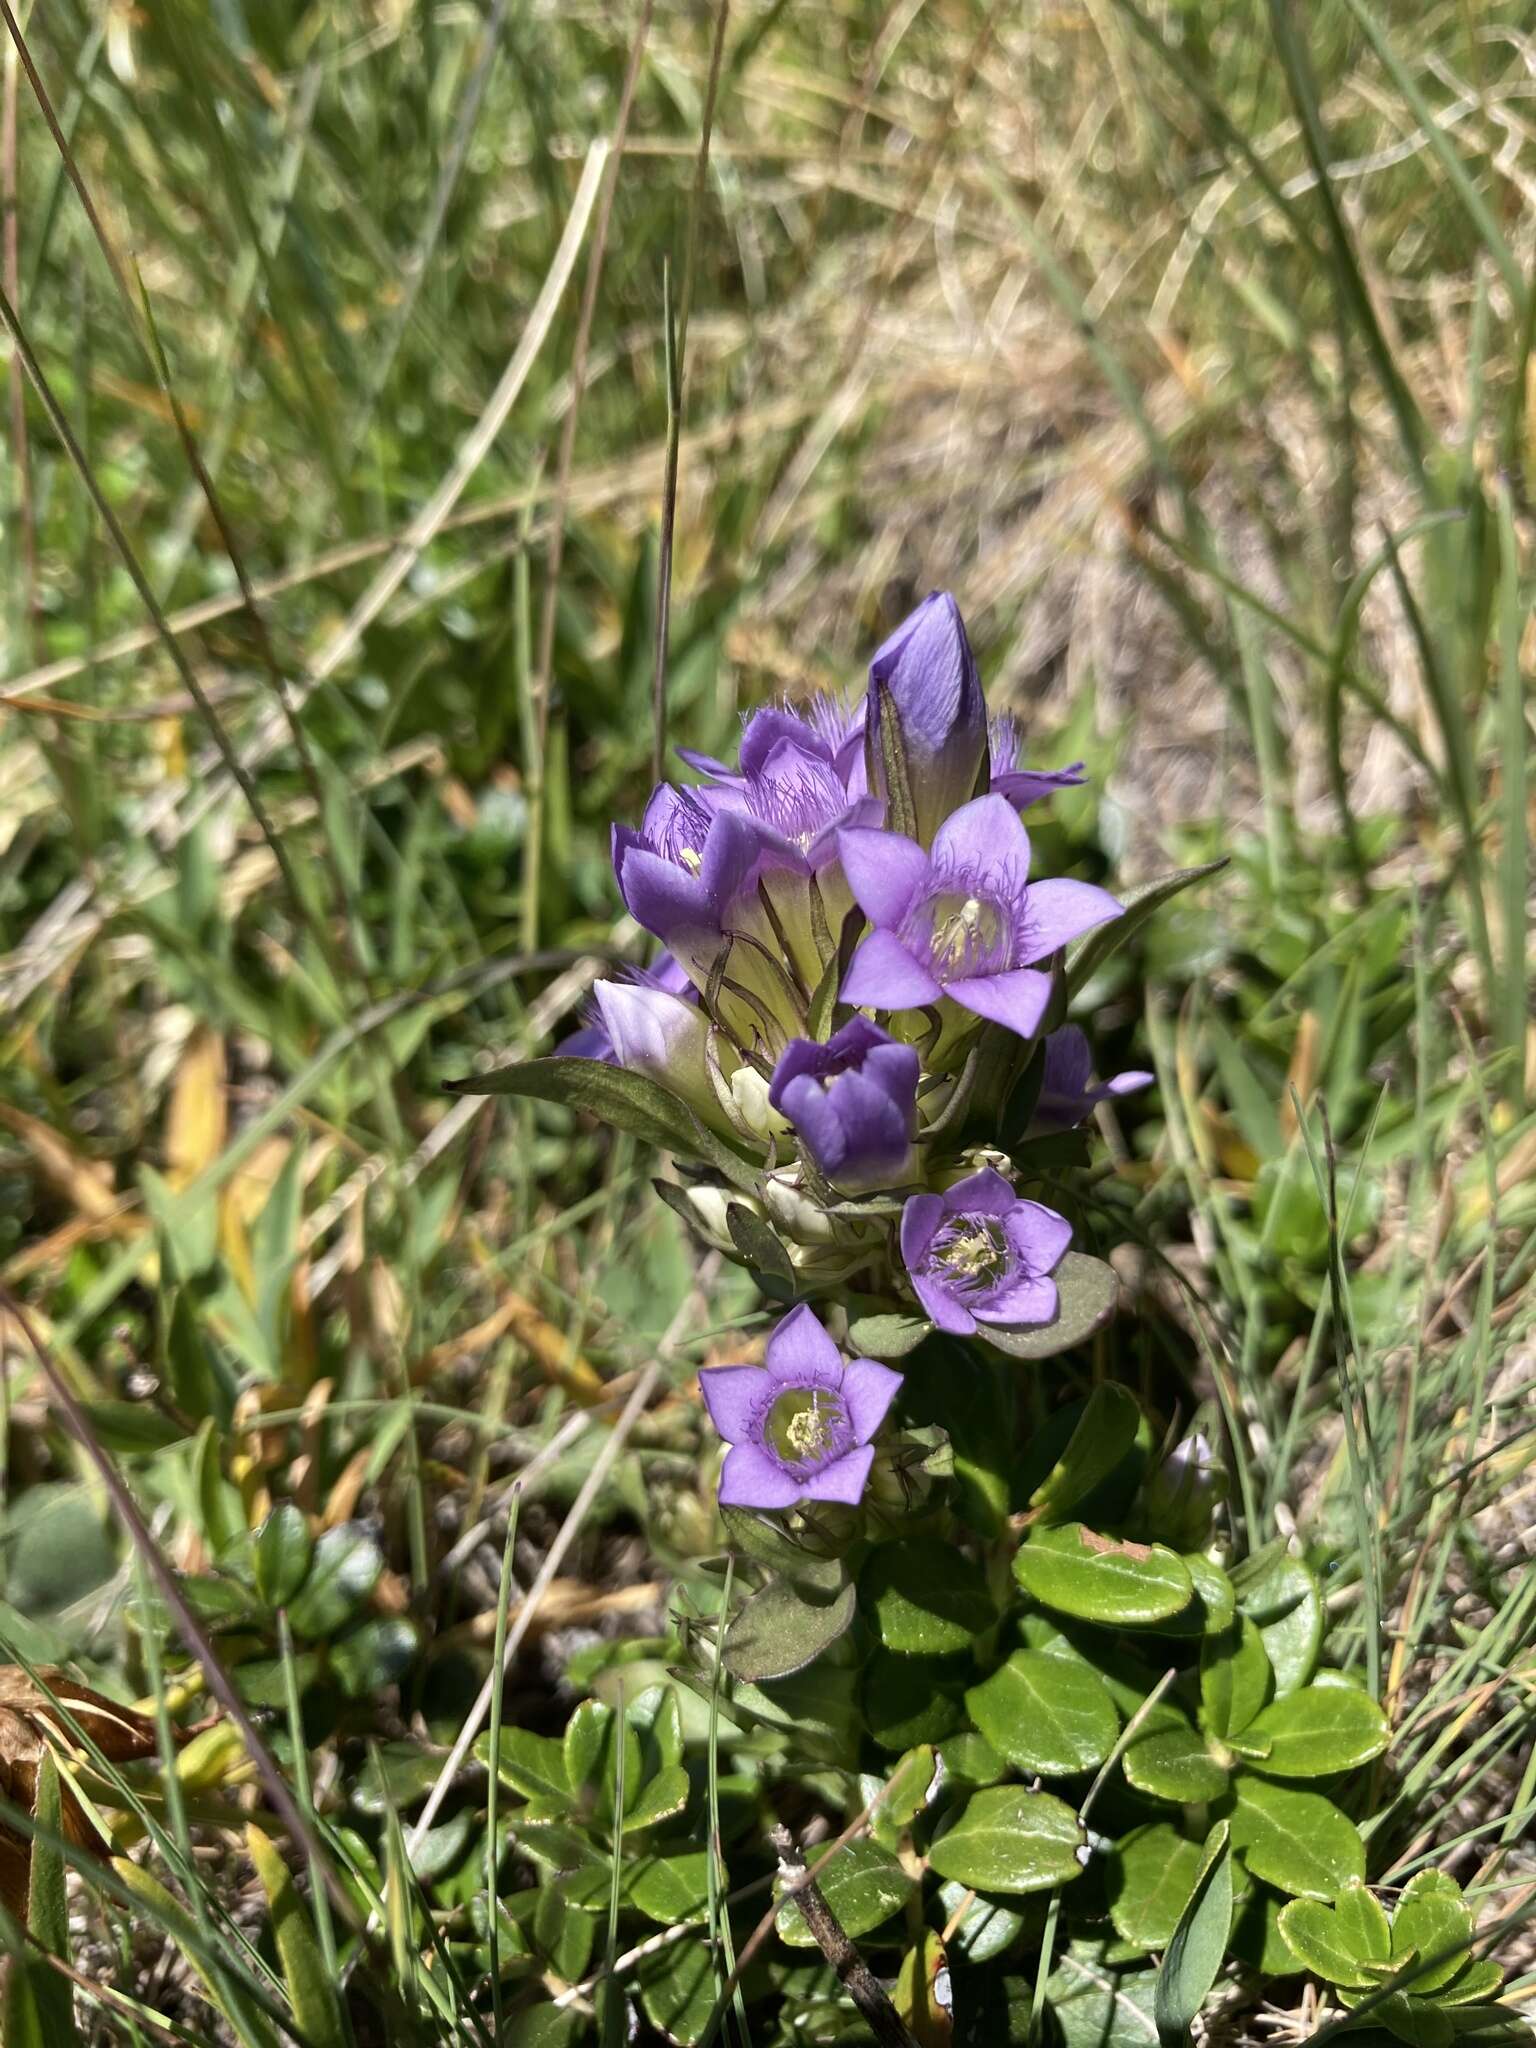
[[1434, 1921], [670, 1889], [1078, 1572], [1319, 1730], [618, 1096], [1045, 1714], [1473, 1984], [594, 1740], [533, 1765], [1170, 1760], [1214, 1605], [1089, 954], [1097, 2006], [665, 1795], [924, 1599], [1297, 1841], [311, 1989], [985, 1927], [38, 2001], [1195, 1954], [863, 1884], [1087, 1292], [677, 1990], [1337, 1943], [284, 1548], [1235, 1678], [346, 1567], [783, 1628], [761, 1248], [1415, 2021], [1280, 1595], [378, 1654], [1010, 1840], [1104, 1433], [1149, 1879], [563, 1933], [909, 1700], [887, 1336]]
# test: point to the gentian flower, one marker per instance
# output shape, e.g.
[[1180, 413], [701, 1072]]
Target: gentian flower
[[1066, 1096], [592, 1042], [853, 1102], [964, 921], [1023, 786], [661, 1035], [979, 1254], [926, 673], [800, 1424], [824, 725]]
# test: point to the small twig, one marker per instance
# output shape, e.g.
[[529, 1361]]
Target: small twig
[[853, 1973]]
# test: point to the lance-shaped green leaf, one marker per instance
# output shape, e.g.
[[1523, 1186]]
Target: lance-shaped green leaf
[[1319, 1730], [311, 1989], [1089, 954], [1235, 1678], [1045, 1714], [1101, 1437], [1098, 1578], [1194, 1956], [1010, 1840], [629, 1101], [1086, 1294]]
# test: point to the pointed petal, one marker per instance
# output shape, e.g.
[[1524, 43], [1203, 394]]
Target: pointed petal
[[1060, 911], [1020, 1302], [843, 1480], [986, 838], [733, 1394], [1039, 1236], [868, 1391], [800, 1353], [1018, 998], [751, 1479], [884, 976], [920, 1219], [885, 870], [984, 1193], [940, 1306]]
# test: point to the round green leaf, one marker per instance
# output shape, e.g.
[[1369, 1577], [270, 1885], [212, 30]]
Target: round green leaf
[[1086, 1293], [345, 1570], [670, 1889], [1214, 1603], [1170, 1760], [863, 1884], [1297, 1841], [1434, 1922], [1010, 1840], [1235, 1678], [1076, 1571], [1313, 1934], [1319, 1730], [924, 1599], [908, 1700], [1044, 1713], [887, 1335], [1149, 1879], [284, 1548], [985, 1927], [781, 1629]]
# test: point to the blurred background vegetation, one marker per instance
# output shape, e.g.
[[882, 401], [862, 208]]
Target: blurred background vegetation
[[1190, 345]]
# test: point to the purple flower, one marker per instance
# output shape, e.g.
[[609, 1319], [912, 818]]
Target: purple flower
[[686, 866], [1023, 786], [800, 1424], [853, 1103], [963, 921], [1066, 1096], [661, 1035], [592, 1041], [824, 724], [978, 1254], [927, 675]]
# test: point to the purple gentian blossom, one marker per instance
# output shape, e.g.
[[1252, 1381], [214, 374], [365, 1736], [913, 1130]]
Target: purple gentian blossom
[[1010, 778], [853, 1104], [979, 1254], [592, 1040], [686, 866], [799, 1425], [825, 725], [1066, 1094], [964, 921], [926, 673]]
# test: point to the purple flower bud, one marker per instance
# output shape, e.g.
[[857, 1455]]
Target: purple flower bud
[[964, 921], [979, 1254], [800, 1424], [658, 1034], [853, 1103], [1066, 1093], [592, 1041], [1184, 1492], [927, 675], [1010, 778]]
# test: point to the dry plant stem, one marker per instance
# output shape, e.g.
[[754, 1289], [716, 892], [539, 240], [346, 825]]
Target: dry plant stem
[[276, 1786], [853, 1973]]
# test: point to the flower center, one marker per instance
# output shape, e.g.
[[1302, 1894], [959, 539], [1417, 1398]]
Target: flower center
[[974, 1250], [966, 930], [806, 1427], [798, 798]]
